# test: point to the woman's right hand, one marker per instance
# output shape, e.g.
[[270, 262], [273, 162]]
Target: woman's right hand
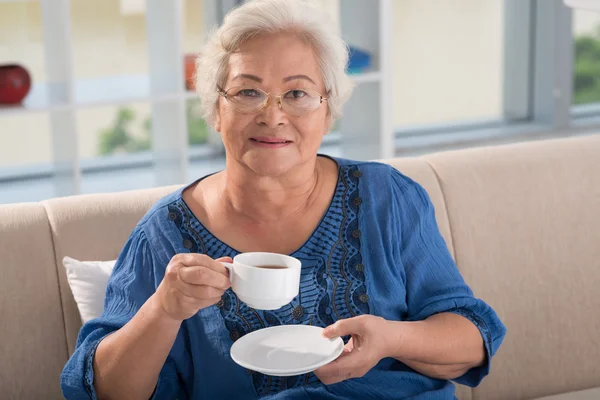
[[192, 282]]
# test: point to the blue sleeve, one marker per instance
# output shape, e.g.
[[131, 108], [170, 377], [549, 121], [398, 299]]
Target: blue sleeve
[[433, 283], [130, 285]]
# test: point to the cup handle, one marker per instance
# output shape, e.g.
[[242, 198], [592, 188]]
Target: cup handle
[[229, 267]]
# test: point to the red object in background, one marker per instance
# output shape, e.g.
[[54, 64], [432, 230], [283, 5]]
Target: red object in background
[[15, 83], [190, 71]]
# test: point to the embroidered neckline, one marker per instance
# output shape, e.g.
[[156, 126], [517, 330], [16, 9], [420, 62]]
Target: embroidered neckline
[[208, 236]]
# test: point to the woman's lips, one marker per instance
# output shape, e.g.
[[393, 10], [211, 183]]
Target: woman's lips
[[270, 142]]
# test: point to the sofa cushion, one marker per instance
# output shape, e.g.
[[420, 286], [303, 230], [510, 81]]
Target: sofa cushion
[[33, 347], [93, 227], [590, 394], [525, 227]]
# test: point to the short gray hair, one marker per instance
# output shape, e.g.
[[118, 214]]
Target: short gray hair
[[270, 17]]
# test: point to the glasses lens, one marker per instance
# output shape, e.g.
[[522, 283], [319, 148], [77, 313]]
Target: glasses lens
[[300, 101], [246, 99], [296, 102]]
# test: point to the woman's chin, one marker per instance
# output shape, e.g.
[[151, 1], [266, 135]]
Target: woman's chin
[[271, 166], [272, 170]]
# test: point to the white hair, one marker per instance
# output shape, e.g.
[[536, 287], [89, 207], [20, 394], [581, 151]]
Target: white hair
[[271, 17]]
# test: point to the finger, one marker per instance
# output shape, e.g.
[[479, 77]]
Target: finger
[[346, 366], [194, 259], [349, 346], [328, 373], [345, 327], [341, 366], [189, 295], [197, 292], [204, 276]]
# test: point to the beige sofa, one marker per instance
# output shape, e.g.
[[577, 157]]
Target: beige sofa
[[522, 221]]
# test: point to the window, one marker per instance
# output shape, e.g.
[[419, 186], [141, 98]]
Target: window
[[586, 65], [26, 151], [110, 108], [448, 59], [114, 145]]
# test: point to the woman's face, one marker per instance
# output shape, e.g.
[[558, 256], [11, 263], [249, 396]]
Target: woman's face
[[272, 142]]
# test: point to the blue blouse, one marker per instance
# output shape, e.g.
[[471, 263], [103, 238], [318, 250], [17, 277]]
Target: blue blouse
[[377, 250]]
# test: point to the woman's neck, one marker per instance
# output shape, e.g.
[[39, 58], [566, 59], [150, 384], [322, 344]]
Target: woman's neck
[[264, 200]]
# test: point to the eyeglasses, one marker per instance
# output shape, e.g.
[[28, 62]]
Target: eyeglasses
[[297, 102]]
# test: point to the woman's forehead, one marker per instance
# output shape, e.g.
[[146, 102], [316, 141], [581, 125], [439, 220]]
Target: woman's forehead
[[275, 58]]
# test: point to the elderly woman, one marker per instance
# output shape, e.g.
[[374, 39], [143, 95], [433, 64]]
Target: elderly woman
[[375, 269]]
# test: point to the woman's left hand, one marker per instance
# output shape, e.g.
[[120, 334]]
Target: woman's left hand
[[362, 352]]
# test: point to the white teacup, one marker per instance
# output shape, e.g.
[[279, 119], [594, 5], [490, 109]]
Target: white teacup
[[264, 281]]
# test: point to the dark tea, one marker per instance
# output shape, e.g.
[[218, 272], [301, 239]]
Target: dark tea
[[271, 266]]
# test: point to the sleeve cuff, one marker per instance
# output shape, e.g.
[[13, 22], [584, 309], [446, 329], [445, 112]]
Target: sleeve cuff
[[166, 387], [475, 375], [88, 376]]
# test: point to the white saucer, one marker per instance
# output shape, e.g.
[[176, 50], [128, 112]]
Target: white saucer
[[286, 350]]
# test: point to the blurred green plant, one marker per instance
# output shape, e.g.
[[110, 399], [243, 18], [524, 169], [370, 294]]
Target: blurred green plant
[[586, 77], [118, 137], [197, 128]]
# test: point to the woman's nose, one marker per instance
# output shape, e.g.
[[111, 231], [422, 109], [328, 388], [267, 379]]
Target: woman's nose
[[272, 113]]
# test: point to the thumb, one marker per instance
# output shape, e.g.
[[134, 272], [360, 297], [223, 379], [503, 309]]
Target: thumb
[[342, 327]]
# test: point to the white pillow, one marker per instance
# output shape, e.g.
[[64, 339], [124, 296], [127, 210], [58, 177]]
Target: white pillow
[[88, 280]]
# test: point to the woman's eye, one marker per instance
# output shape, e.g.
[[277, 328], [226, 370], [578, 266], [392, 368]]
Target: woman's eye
[[248, 93], [296, 94]]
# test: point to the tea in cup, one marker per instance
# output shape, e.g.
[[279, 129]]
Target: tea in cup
[[264, 281]]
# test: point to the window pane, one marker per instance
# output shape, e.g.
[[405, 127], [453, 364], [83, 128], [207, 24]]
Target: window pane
[[25, 157], [447, 60], [110, 50], [22, 43], [25, 137], [193, 25], [586, 69], [115, 147], [193, 39], [21, 40], [198, 131]]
